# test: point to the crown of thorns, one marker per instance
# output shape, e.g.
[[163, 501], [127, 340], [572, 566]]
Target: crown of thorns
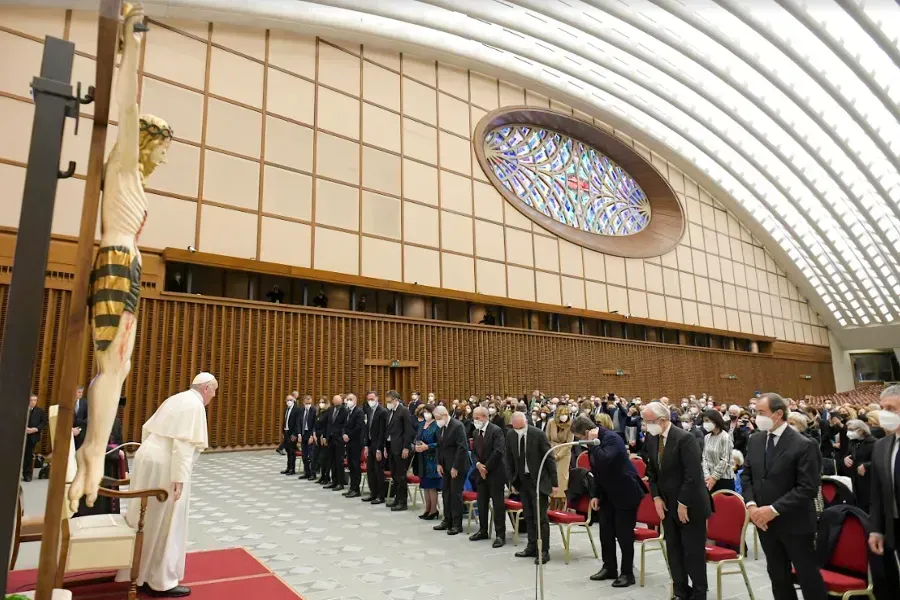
[[156, 131]]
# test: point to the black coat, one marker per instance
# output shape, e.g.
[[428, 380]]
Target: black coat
[[80, 419], [881, 510], [335, 419], [293, 423], [453, 448], [790, 483], [321, 421], [740, 436], [354, 427], [493, 451], [536, 446], [616, 481], [679, 480], [310, 420], [38, 420], [401, 430], [376, 425]]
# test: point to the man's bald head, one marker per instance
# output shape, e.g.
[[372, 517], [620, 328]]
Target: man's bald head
[[518, 420], [337, 400], [440, 412]]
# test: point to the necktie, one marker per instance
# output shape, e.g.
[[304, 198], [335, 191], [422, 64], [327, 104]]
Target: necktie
[[897, 471], [662, 450], [287, 414], [479, 443], [770, 450], [522, 447]]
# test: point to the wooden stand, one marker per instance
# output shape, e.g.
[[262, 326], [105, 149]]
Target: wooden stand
[[107, 44]]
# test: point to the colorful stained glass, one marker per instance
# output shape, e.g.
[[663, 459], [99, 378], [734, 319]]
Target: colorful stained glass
[[566, 180]]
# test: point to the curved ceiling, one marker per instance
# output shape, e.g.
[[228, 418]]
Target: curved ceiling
[[792, 107]]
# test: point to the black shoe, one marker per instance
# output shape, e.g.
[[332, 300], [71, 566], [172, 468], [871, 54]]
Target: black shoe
[[545, 558], [477, 537], [454, 530], [323, 481], [398, 508], [623, 581], [499, 542], [27, 477], [353, 494], [281, 452], [442, 526], [179, 591], [377, 501], [526, 553], [367, 498], [287, 472], [424, 516], [604, 574], [329, 486], [337, 488]]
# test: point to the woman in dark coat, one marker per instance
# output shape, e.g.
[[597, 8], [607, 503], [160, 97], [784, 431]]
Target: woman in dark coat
[[858, 460], [319, 456]]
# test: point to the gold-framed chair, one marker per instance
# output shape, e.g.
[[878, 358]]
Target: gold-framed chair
[[576, 518], [728, 525], [652, 534], [514, 512], [847, 573]]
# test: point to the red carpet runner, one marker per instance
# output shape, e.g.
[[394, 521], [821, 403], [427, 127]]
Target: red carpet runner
[[231, 574]]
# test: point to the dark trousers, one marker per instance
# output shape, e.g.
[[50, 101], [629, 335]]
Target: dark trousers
[[617, 525], [452, 490], [686, 548], [307, 449], [28, 458], [398, 467], [786, 549], [354, 461], [531, 508], [490, 492], [375, 475], [337, 460], [290, 448], [886, 569], [324, 454], [723, 484]]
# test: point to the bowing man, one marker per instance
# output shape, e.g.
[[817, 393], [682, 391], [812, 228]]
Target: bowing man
[[336, 418], [376, 424], [353, 432], [489, 476], [452, 464]]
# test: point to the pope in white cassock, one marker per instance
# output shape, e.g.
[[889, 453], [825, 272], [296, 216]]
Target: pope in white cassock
[[171, 441]]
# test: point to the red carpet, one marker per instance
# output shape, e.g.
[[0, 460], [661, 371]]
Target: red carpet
[[231, 574]]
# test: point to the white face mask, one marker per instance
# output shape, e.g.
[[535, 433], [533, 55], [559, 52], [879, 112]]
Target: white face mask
[[351, 404], [492, 411], [480, 425], [709, 426], [654, 429], [442, 422], [290, 403], [853, 435], [372, 403], [520, 432], [687, 425], [427, 416], [322, 405], [563, 418], [764, 423], [890, 421]]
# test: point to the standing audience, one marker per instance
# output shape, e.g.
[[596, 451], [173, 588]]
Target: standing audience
[[452, 465], [489, 476], [885, 515], [718, 470], [559, 431], [34, 424], [400, 435], [426, 456], [376, 426], [858, 460]]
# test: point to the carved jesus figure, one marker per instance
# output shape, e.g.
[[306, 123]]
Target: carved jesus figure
[[142, 144]]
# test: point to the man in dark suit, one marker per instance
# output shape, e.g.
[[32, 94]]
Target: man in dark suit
[[398, 442], [376, 424], [526, 446], [80, 417], [489, 476], [452, 460], [616, 494], [307, 437], [780, 482], [353, 437], [885, 475], [675, 471], [414, 403], [290, 428], [335, 421], [34, 424]]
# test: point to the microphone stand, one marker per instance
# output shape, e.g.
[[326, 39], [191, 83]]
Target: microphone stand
[[537, 488]]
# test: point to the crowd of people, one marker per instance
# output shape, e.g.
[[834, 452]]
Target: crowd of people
[[489, 444]]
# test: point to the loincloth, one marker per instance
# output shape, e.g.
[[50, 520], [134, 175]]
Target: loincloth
[[115, 289]]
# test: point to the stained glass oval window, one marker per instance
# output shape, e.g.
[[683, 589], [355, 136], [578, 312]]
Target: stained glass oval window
[[566, 180]]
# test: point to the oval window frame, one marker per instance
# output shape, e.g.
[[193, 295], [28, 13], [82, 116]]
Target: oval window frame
[[667, 223]]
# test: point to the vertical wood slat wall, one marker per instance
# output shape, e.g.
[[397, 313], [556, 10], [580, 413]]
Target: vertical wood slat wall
[[260, 353]]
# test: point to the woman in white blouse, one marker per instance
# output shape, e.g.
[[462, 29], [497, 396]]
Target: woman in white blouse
[[718, 462]]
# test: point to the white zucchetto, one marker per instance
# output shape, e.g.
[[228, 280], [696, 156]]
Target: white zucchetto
[[203, 378]]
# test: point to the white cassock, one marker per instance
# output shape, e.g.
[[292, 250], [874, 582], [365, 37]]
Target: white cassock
[[171, 441]]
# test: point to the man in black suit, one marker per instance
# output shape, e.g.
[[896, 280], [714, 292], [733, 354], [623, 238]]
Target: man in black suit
[[489, 476], [291, 428], [414, 403], [526, 446], [885, 475], [780, 482], [307, 417], [398, 443], [675, 471], [80, 417], [616, 494], [353, 437], [335, 421], [452, 460], [376, 424], [34, 424]]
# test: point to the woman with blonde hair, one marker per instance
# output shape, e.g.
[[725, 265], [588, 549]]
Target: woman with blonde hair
[[604, 420], [559, 431]]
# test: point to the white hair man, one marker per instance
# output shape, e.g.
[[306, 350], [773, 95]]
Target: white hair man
[[679, 492], [290, 430], [452, 459], [885, 474], [171, 441], [489, 477]]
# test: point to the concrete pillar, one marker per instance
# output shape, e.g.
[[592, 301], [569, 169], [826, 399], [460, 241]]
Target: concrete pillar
[[414, 306], [841, 365]]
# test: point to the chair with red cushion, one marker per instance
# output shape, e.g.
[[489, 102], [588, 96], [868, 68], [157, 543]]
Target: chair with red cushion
[[640, 466], [848, 572], [652, 533], [577, 516], [514, 511], [835, 491], [583, 461], [412, 486], [727, 526], [470, 500]]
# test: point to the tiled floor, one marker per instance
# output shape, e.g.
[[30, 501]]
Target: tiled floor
[[329, 547]]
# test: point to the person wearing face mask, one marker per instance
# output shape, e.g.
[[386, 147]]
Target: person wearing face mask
[[489, 477], [376, 425], [740, 434], [290, 428], [884, 513], [452, 465], [718, 466], [398, 442], [780, 482], [414, 403], [308, 437], [559, 431], [334, 441], [633, 429], [858, 461], [322, 464], [687, 423], [426, 461], [495, 413], [353, 438]]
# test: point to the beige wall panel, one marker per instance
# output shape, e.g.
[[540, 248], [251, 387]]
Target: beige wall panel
[[548, 288], [385, 57], [477, 171], [546, 253], [420, 224], [293, 52], [237, 78], [637, 303], [35, 21], [535, 99], [338, 113], [488, 202], [419, 101], [336, 251], [747, 326], [491, 278], [573, 292], [634, 270], [245, 40], [519, 249], [458, 272], [475, 115], [515, 218], [594, 265], [690, 312], [381, 86], [570, 259], [734, 321], [336, 205], [654, 278], [288, 144], [454, 114], [420, 182], [285, 242], [381, 128], [12, 180], [656, 307], [483, 90], [704, 315], [511, 95], [381, 171], [420, 141], [456, 192], [381, 259], [181, 108], [456, 233], [16, 75], [337, 158], [698, 258], [339, 69], [16, 119], [233, 128], [686, 282], [453, 80], [489, 240], [596, 296], [520, 283], [420, 69], [380, 215], [720, 319], [618, 299], [181, 175], [674, 311], [290, 97], [67, 209], [170, 222], [422, 266], [287, 193], [615, 270], [229, 232], [230, 180], [456, 153], [177, 58]]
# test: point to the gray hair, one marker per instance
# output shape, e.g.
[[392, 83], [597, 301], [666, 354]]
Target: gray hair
[[659, 410], [859, 426], [289, 397], [440, 411], [351, 397], [800, 419], [738, 457], [480, 410], [891, 391], [517, 415]]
